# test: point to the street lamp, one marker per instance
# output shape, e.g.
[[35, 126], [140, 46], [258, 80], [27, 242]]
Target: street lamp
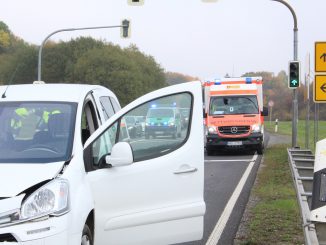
[[125, 30], [295, 58]]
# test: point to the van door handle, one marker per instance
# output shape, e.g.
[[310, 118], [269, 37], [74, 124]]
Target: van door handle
[[184, 171]]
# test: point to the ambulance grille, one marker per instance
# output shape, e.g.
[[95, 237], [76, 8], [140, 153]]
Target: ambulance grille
[[234, 130], [7, 237]]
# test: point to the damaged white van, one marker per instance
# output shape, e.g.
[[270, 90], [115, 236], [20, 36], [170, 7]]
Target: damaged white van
[[70, 174]]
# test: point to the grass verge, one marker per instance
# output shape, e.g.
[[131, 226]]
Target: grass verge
[[285, 128], [274, 218]]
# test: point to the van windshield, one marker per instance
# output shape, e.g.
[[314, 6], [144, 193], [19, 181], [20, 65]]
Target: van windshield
[[233, 105], [36, 132]]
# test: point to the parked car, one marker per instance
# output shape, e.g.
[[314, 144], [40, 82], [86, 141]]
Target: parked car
[[141, 120], [133, 126], [185, 113], [70, 174]]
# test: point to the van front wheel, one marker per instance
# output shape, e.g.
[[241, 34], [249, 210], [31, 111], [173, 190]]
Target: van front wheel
[[87, 237]]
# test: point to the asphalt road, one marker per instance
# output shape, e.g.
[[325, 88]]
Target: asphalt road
[[223, 173]]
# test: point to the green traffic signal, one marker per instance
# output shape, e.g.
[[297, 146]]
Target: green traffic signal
[[294, 74]]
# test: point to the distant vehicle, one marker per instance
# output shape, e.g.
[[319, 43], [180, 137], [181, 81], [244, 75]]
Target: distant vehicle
[[235, 114], [185, 114], [141, 120], [133, 126], [163, 121], [70, 174]]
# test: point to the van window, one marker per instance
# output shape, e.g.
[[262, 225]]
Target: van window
[[107, 107], [115, 105], [164, 130], [36, 132]]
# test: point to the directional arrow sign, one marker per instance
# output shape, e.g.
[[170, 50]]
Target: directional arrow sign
[[294, 82], [320, 57], [323, 57], [320, 89], [323, 87]]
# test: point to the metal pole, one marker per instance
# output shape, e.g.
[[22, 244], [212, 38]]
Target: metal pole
[[307, 112], [295, 91], [316, 124], [307, 82], [39, 67]]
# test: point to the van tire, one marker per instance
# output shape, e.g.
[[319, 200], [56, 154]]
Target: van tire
[[87, 236]]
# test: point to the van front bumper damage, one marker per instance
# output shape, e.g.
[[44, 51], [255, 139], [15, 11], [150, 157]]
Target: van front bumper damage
[[215, 142]]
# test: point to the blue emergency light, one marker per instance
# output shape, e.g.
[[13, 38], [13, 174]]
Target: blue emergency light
[[217, 82], [248, 80]]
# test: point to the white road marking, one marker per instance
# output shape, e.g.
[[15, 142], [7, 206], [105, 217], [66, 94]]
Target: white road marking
[[221, 223]]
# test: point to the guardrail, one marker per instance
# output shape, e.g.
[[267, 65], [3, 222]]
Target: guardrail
[[302, 168]]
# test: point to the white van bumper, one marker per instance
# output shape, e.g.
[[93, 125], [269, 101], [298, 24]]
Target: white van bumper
[[49, 231]]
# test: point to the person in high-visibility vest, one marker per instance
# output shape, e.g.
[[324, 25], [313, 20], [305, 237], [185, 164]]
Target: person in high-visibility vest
[[16, 122]]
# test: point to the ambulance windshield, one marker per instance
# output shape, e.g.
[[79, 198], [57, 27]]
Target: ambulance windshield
[[36, 132], [233, 105]]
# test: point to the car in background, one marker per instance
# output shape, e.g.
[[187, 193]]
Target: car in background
[[163, 121], [133, 126], [141, 120], [185, 113]]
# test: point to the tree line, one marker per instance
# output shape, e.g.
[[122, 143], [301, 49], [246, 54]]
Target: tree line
[[126, 71]]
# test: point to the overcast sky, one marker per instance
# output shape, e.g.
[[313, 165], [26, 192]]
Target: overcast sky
[[200, 39]]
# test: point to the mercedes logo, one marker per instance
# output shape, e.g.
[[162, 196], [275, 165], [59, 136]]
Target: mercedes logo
[[234, 130]]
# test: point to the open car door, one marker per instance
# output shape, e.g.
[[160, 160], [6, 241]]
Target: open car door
[[149, 189]]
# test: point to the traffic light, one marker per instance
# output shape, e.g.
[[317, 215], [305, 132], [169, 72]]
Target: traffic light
[[294, 74], [125, 29], [136, 2]]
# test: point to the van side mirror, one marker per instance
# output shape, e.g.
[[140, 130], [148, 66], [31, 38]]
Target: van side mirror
[[264, 113], [121, 155]]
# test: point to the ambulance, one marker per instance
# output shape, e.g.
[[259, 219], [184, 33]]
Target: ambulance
[[234, 114]]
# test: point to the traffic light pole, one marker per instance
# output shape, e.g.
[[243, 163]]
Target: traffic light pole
[[295, 91], [125, 26]]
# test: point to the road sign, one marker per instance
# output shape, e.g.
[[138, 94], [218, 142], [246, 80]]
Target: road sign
[[271, 103], [320, 89], [320, 56]]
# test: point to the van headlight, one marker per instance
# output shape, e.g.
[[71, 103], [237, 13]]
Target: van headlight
[[50, 199], [256, 128]]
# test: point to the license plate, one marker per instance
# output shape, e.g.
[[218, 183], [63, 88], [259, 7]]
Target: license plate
[[234, 143]]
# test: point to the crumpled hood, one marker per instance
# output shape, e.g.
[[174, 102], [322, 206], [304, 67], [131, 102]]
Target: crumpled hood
[[234, 120], [15, 178]]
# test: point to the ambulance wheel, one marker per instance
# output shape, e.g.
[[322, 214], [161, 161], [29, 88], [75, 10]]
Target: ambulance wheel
[[260, 149], [209, 152]]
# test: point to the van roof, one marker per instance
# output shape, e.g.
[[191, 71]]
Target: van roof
[[47, 92]]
